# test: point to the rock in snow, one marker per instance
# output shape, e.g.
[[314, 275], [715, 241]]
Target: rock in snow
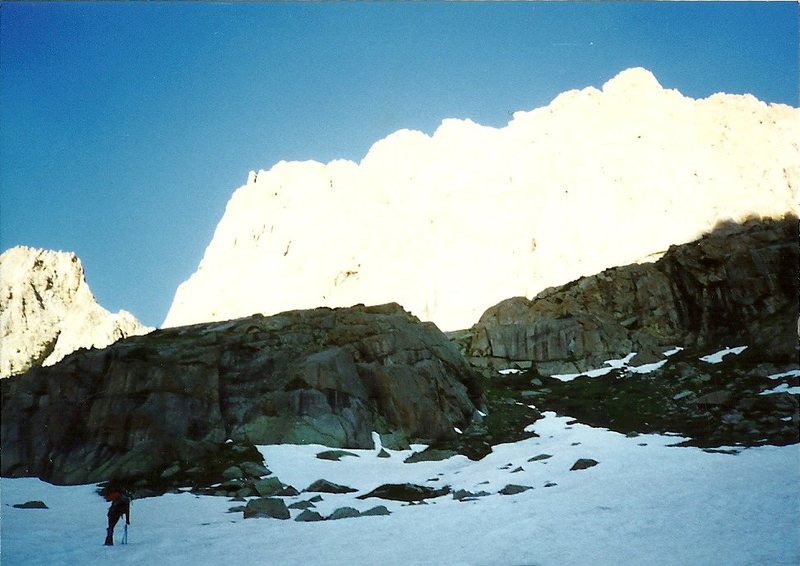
[[31, 505], [583, 464], [449, 224], [48, 311]]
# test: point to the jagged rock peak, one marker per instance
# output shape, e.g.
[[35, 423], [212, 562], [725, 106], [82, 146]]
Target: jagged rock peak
[[449, 223], [48, 311]]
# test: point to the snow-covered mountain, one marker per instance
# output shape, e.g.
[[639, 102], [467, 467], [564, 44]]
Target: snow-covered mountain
[[449, 224], [48, 311]]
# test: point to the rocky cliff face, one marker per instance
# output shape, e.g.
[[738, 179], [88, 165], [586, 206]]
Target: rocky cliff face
[[738, 285], [47, 310], [451, 223], [320, 376]]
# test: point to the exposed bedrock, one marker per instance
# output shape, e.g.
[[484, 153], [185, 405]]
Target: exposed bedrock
[[738, 285], [316, 376]]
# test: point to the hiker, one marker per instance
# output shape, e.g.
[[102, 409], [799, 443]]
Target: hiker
[[120, 505]]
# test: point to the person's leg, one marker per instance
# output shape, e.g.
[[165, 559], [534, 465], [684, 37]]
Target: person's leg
[[112, 522]]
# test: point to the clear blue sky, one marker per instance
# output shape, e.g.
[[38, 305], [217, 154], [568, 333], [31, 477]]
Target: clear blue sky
[[125, 127]]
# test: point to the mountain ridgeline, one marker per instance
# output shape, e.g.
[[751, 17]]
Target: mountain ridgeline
[[449, 223]]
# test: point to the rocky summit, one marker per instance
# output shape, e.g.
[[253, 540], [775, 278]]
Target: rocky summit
[[596, 179], [149, 405], [47, 310]]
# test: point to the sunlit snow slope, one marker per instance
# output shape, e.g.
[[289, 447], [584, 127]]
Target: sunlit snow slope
[[451, 223]]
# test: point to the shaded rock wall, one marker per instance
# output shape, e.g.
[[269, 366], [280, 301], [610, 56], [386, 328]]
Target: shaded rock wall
[[736, 286], [320, 376]]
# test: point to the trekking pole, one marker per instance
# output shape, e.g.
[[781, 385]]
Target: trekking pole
[[127, 520]]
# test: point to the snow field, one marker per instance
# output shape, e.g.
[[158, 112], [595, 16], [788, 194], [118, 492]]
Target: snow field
[[645, 502]]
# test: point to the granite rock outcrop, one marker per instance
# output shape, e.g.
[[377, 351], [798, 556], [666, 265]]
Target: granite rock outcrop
[[738, 285], [324, 376]]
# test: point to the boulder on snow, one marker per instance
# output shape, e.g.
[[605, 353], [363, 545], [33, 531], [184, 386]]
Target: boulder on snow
[[583, 463], [514, 489], [266, 507], [464, 495], [430, 455], [308, 516], [31, 505], [344, 513], [325, 486], [405, 492], [378, 510], [540, 457], [335, 455]]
